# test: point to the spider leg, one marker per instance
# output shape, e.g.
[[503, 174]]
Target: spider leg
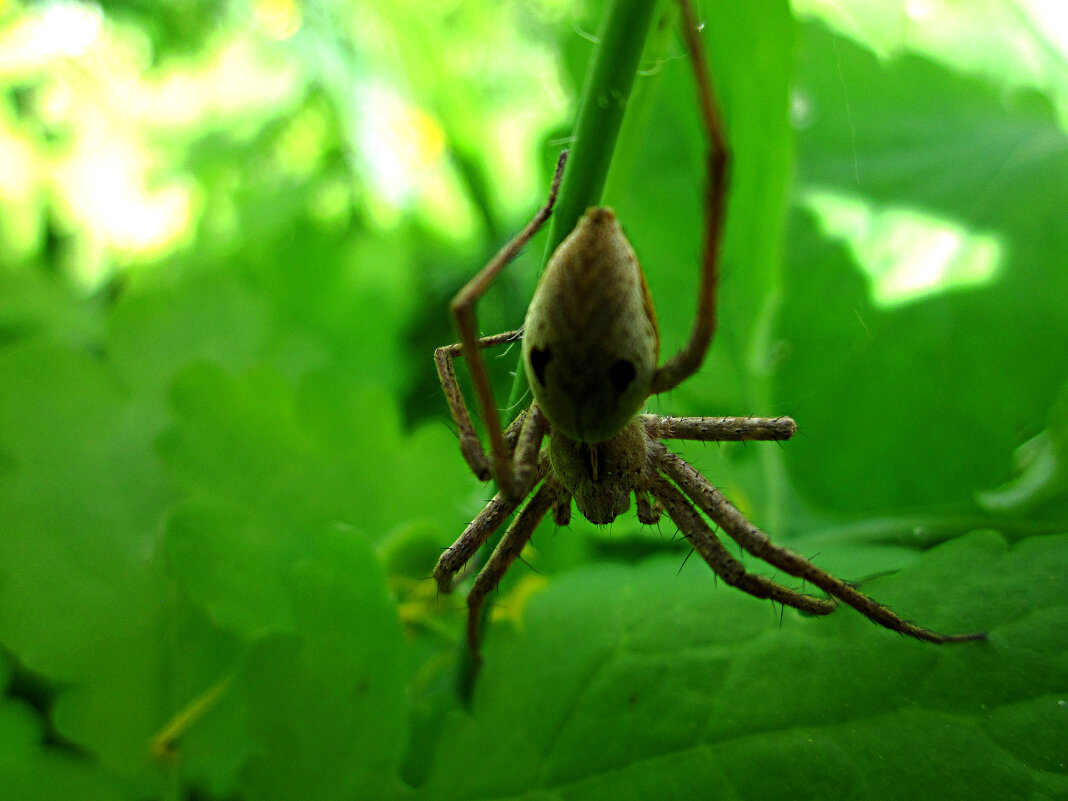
[[506, 552], [463, 312], [685, 363], [476, 534], [445, 359], [719, 429], [756, 542], [705, 542], [532, 431]]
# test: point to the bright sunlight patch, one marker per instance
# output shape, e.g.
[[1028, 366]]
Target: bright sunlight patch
[[905, 253]]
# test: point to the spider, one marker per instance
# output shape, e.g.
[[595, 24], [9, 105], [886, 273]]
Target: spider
[[590, 349]]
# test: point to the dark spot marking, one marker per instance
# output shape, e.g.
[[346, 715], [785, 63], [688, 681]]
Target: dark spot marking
[[539, 357], [621, 373]]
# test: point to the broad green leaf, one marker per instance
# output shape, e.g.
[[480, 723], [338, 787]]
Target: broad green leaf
[[920, 403], [1013, 43], [1041, 486], [159, 327], [326, 707], [631, 681], [32, 303], [84, 604], [79, 502], [33, 770], [322, 452]]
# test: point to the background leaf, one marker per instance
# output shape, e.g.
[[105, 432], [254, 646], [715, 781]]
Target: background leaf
[[898, 386], [228, 241], [673, 686]]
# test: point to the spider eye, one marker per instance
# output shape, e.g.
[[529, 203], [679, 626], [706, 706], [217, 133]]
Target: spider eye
[[539, 357], [621, 373]]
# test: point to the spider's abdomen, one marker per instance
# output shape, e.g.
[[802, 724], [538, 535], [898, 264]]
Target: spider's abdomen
[[590, 342]]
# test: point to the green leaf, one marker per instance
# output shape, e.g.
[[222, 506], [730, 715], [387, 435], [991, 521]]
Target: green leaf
[[631, 681], [158, 327], [919, 400], [308, 454], [1041, 486], [1010, 43], [33, 770], [204, 545], [83, 600], [327, 703], [276, 478]]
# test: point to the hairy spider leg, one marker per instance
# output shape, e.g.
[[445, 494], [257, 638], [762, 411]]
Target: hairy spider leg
[[522, 438], [463, 312], [708, 429], [719, 429], [705, 542], [477, 533], [444, 359], [506, 552], [685, 363], [713, 503]]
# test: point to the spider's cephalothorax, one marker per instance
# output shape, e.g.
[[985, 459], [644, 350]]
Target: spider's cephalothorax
[[590, 352], [601, 476]]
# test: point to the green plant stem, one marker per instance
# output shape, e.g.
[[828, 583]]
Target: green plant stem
[[620, 42], [601, 108]]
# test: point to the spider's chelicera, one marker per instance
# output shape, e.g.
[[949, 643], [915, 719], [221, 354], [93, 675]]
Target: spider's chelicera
[[590, 352]]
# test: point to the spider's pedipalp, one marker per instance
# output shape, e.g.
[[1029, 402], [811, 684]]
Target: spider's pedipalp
[[713, 503], [506, 552], [562, 510], [648, 513]]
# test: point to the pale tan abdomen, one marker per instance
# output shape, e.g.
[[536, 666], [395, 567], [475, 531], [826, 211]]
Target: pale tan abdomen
[[590, 342]]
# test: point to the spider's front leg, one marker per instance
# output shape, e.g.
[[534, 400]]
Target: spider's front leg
[[499, 465]]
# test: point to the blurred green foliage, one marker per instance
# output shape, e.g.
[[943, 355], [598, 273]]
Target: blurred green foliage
[[228, 237]]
